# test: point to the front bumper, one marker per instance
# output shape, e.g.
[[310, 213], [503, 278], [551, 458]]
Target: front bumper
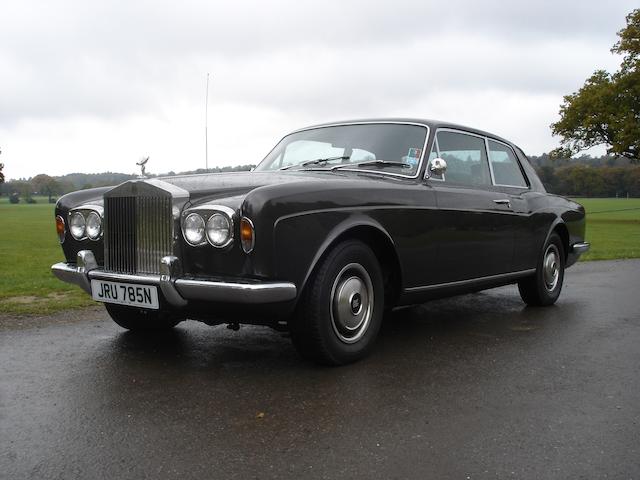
[[580, 248], [575, 250], [178, 290]]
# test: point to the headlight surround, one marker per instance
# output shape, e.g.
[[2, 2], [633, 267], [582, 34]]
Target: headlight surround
[[219, 230], [93, 226], [77, 225], [85, 222], [212, 224], [193, 229]]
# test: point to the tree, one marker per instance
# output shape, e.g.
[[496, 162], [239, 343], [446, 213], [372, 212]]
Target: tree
[[606, 110], [45, 185], [1, 174]]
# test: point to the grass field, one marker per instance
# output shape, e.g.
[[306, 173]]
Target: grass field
[[613, 227], [28, 247]]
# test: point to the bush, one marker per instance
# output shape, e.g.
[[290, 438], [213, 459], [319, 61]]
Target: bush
[[31, 200], [53, 200], [14, 198]]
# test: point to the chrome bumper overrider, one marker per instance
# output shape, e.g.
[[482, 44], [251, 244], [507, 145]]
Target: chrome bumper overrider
[[177, 290], [580, 248]]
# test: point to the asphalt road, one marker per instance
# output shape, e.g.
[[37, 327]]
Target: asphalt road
[[471, 387]]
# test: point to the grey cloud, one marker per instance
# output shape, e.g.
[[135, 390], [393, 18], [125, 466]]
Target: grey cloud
[[116, 58]]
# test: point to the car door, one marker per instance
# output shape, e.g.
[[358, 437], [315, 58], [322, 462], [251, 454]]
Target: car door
[[508, 174], [473, 220]]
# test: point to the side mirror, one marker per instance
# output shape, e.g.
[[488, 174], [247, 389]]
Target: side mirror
[[438, 166]]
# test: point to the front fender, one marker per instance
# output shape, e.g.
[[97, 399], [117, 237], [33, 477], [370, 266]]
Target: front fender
[[301, 240]]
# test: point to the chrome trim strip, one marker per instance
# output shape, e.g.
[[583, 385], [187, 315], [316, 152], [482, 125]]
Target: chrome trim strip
[[99, 209], [125, 277], [487, 152], [362, 170], [461, 283], [222, 291], [210, 206], [580, 248]]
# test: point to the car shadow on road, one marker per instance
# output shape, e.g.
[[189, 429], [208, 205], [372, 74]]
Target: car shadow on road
[[414, 334]]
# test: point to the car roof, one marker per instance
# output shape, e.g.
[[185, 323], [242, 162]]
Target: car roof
[[432, 124]]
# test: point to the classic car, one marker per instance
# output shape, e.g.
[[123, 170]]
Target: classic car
[[339, 223]]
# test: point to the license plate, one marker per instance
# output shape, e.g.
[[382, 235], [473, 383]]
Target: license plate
[[132, 294]]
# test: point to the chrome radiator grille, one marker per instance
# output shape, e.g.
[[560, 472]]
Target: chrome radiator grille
[[137, 233]]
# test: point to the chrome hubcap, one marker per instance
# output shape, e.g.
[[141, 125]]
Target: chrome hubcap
[[551, 267], [351, 303]]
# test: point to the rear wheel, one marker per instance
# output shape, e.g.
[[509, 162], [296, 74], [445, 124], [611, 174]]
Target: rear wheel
[[545, 286], [341, 309], [138, 319]]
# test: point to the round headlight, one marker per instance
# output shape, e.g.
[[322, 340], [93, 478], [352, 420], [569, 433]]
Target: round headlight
[[193, 229], [94, 226], [219, 230], [77, 225]]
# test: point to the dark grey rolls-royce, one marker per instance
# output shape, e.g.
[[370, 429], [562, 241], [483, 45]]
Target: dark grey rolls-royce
[[339, 223]]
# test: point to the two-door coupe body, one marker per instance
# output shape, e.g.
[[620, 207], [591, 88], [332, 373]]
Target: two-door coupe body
[[337, 224]]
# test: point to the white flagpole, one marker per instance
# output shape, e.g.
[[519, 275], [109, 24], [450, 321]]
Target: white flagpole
[[206, 124]]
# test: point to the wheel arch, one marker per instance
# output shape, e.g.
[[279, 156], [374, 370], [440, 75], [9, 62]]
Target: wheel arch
[[561, 229], [375, 237]]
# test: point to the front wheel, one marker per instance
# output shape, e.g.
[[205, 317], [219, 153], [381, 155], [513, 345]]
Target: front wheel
[[340, 312], [138, 319], [544, 287]]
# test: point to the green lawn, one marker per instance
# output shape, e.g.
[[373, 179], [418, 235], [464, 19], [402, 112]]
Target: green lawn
[[28, 247], [613, 227]]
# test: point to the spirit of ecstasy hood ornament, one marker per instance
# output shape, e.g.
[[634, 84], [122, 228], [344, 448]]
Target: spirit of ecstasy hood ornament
[[143, 169]]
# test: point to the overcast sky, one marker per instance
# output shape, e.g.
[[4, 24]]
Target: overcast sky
[[93, 87]]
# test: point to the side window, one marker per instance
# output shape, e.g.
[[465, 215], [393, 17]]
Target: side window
[[466, 159], [506, 170]]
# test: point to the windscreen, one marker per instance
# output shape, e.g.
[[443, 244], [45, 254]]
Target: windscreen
[[397, 148]]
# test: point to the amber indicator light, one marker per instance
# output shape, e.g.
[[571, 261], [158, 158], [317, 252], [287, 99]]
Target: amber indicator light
[[60, 228], [246, 235]]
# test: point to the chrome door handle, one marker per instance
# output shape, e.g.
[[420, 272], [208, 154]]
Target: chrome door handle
[[503, 201]]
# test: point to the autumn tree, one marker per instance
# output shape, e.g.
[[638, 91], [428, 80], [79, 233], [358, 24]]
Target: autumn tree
[[606, 110]]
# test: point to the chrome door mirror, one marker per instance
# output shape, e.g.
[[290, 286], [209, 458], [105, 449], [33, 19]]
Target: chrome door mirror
[[438, 166]]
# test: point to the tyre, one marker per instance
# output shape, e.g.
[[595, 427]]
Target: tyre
[[137, 319], [545, 286], [340, 312]]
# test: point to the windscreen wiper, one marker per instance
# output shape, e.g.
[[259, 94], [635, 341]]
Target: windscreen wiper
[[374, 163], [317, 161]]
